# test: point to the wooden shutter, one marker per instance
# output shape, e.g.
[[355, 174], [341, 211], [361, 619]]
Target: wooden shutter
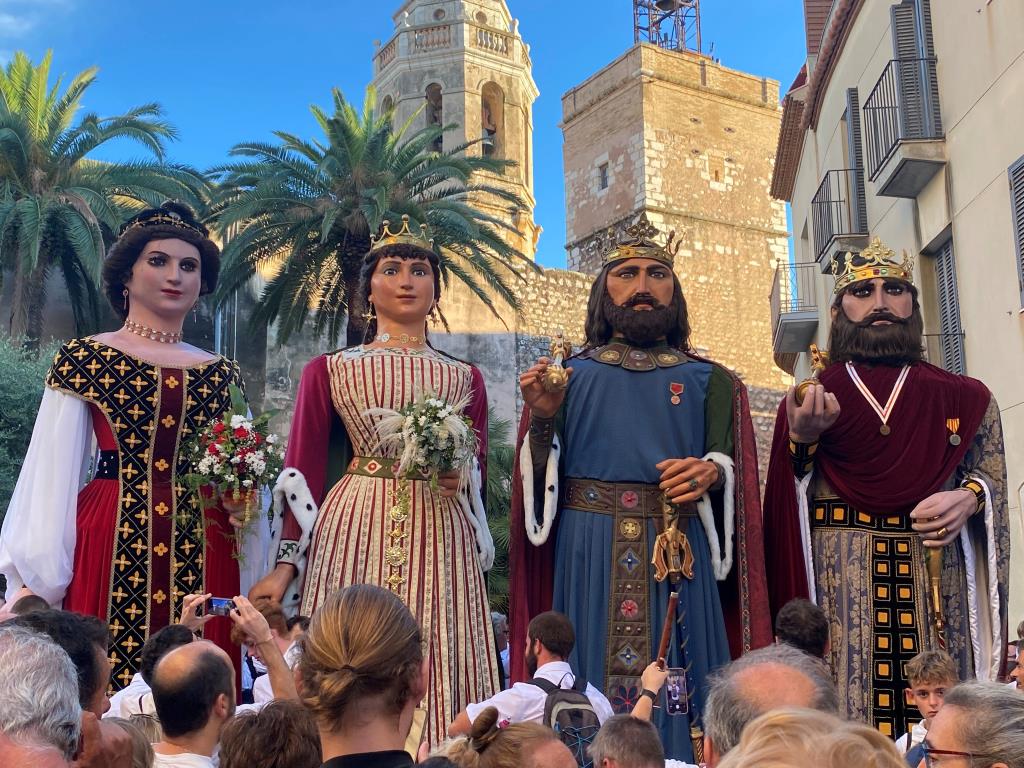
[[951, 340], [905, 48], [858, 203], [1017, 217]]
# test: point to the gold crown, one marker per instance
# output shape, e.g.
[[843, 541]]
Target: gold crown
[[876, 260], [638, 243], [404, 236], [165, 218]]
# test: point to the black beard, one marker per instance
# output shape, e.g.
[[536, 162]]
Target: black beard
[[896, 344], [640, 327]]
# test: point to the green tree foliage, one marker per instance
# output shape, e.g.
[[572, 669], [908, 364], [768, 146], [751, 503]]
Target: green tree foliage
[[303, 212], [57, 205], [500, 459]]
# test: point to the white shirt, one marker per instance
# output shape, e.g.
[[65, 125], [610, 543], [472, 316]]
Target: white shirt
[[917, 734], [184, 760], [134, 699], [262, 693], [524, 702]]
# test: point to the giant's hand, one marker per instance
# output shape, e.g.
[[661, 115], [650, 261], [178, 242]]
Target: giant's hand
[[273, 585], [685, 480], [814, 415], [939, 517], [543, 403], [448, 484]]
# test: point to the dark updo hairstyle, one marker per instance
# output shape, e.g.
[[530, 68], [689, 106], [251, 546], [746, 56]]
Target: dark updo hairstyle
[[362, 656], [171, 221], [396, 251]]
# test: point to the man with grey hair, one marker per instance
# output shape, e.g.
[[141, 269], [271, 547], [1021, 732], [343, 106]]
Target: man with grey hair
[[979, 724], [625, 741], [40, 717], [763, 680]]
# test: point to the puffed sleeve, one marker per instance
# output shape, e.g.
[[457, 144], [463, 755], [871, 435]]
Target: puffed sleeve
[[37, 542]]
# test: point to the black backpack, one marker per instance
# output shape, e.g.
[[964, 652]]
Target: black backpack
[[569, 713]]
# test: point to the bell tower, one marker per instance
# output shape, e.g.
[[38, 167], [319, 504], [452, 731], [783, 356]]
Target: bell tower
[[464, 62]]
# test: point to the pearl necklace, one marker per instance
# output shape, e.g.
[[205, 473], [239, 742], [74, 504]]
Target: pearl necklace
[[164, 337], [404, 338]]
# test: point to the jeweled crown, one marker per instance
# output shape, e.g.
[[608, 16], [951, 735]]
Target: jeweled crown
[[637, 242], [163, 218], [404, 236], [877, 260]]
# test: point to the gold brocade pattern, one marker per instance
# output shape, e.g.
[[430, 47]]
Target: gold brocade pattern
[[137, 399]]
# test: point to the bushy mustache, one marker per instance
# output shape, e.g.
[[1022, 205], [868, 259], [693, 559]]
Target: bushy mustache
[[642, 298], [874, 317]]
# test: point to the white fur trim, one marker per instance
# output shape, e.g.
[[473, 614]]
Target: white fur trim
[[538, 534], [291, 482], [721, 556], [984, 615], [804, 513], [472, 504]]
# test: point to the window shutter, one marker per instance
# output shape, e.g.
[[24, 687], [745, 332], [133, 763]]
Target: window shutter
[[905, 48], [858, 206], [1017, 217], [951, 338]]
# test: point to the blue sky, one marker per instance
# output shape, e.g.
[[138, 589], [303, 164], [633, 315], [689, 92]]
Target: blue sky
[[228, 71]]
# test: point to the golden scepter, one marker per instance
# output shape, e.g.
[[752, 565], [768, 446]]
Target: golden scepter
[[933, 562], [819, 362], [555, 376]]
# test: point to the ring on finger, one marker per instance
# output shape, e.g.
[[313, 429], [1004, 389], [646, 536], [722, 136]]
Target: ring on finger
[[942, 532], [694, 485]]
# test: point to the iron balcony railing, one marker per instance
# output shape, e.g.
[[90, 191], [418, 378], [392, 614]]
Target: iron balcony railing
[[793, 290], [903, 106], [838, 208]]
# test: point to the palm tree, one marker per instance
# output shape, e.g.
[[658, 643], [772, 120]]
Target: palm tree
[[57, 205], [500, 461], [303, 211]]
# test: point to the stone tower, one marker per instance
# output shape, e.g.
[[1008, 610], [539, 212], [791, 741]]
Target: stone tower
[[463, 62], [691, 143]]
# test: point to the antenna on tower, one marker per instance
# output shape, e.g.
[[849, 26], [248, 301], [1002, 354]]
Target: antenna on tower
[[670, 24]]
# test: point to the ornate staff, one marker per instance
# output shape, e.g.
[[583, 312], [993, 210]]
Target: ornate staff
[[696, 733], [933, 562], [555, 377]]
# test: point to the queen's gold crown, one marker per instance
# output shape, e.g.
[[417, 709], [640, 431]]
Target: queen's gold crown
[[877, 260], [404, 236], [637, 242]]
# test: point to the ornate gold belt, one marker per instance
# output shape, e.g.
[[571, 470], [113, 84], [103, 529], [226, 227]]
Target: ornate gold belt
[[382, 466]]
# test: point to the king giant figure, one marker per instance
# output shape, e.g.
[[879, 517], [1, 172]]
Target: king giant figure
[[886, 498], [636, 480]]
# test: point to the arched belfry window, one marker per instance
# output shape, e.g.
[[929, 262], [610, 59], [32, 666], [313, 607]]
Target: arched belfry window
[[387, 104], [434, 112], [492, 120]]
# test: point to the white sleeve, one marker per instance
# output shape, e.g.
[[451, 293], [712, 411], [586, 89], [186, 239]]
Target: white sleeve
[[37, 542]]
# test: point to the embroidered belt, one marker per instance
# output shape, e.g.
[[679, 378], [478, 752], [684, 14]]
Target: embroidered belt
[[836, 513], [107, 466], [639, 499], [382, 466]]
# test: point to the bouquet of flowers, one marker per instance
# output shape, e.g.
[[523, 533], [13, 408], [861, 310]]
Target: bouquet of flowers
[[234, 457], [432, 435]]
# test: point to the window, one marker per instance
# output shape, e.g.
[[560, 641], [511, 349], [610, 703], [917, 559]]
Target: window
[[602, 176], [492, 120], [434, 113], [439, 14], [1017, 217], [951, 337]]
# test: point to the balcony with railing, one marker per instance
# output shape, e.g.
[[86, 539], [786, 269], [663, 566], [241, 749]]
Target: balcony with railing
[[794, 307], [839, 215], [424, 39], [903, 128]]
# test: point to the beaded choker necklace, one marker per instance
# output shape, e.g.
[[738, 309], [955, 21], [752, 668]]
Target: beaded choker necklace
[[164, 337], [403, 338]]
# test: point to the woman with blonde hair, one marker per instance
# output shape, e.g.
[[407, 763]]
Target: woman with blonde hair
[[494, 743], [363, 673], [796, 738]]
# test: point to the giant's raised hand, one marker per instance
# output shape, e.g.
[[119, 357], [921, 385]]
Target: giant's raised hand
[[543, 403]]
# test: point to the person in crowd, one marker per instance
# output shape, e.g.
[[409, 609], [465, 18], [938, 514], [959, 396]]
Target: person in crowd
[[930, 674], [149, 725], [1017, 674], [494, 743], [802, 624], [363, 672], [85, 639], [297, 626], [138, 392], [277, 625], [636, 480], [888, 462], [142, 747], [194, 692], [798, 738], [551, 640], [499, 622], [652, 680], [282, 734], [761, 681], [137, 697], [369, 526], [27, 604], [979, 724], [40, 714], [625, 741]]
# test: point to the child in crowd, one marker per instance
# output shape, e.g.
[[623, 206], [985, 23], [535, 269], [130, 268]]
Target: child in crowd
[[931, 674]]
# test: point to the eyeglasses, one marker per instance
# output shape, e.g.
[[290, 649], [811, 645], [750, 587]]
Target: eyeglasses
[[930, 753]]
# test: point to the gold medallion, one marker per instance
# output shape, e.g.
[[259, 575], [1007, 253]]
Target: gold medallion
[[630, 529], [885, 429]]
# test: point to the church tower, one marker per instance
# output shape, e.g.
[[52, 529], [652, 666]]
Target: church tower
[[464, 62]]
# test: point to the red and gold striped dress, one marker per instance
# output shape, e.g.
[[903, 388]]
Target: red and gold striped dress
[[428, 556]]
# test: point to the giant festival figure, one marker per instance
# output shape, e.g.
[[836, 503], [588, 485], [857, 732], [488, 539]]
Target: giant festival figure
[[887, 471], [128, 545], [350, 519], [647, 455]]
